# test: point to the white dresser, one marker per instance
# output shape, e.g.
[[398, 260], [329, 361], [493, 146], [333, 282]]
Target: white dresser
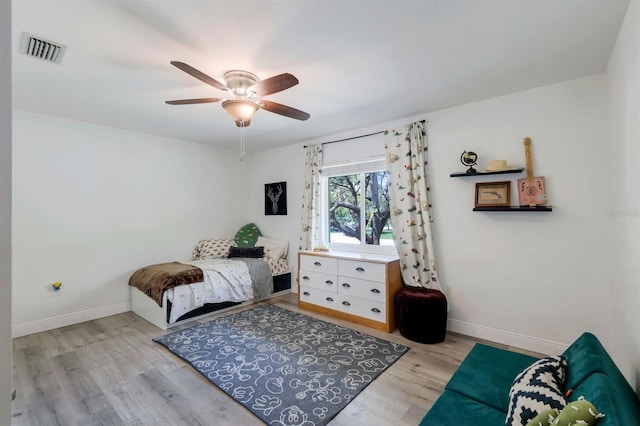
[[355, 287]]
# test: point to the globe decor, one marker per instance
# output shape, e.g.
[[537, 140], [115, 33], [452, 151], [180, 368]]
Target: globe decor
[[469, 159]]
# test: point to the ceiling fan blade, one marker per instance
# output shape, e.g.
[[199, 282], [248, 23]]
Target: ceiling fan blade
[[287, 111], [199, 75], [274, 84], [193, 101]]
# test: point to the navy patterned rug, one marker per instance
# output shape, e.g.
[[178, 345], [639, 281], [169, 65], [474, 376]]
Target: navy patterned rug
[[286, 368]]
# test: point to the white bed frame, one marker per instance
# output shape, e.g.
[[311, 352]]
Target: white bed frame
[[145, 307]]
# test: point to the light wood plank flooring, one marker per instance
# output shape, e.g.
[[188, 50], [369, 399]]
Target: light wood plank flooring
[[109, 372]]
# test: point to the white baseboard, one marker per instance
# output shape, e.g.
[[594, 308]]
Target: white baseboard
[[509, 338], [32, 327], [479, 331]]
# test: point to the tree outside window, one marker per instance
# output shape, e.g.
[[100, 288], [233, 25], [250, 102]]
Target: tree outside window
[[359, 209]]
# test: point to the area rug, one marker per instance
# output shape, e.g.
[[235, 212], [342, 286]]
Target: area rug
[[285, 367]]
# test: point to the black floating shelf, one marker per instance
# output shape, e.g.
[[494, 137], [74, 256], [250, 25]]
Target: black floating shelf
[[541, 208], [501, 172]]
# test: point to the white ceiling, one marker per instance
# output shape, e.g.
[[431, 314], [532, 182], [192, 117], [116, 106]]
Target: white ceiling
[[359, 62]]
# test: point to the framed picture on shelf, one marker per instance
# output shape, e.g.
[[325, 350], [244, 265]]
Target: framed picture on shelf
[[493, 194]]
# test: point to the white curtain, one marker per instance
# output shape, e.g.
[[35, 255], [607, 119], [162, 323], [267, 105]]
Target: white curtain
[[409, 198], [310, 221]]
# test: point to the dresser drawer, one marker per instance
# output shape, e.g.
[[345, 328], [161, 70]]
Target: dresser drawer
[[356, 287], [319, 280], [363, 308], [363, 270], [319, 297], [371, 290], [326, 265]]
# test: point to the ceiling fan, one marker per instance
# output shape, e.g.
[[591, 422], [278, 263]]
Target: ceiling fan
[[245, 89]]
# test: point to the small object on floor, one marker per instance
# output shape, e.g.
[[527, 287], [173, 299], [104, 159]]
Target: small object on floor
[[422, 314]]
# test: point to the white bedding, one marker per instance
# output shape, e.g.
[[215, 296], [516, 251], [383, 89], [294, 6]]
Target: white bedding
[[224, 280]]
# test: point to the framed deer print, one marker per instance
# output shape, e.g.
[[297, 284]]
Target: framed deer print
[[275, 198]]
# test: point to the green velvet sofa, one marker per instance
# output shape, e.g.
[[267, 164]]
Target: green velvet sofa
[[478, 392]]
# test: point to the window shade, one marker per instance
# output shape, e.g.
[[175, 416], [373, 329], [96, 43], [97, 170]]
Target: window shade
[[365, 154], [371, 165]]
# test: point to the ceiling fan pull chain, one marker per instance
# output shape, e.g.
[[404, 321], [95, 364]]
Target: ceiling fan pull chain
[[242, 150]]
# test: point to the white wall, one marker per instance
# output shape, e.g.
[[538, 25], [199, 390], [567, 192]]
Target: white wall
[[623, 78], [519, 277], [91, 204], [529, 279], [5, 213], [278, 165]]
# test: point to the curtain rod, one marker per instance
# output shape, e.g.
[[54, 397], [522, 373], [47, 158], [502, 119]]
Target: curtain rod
[[355, 137], [348, 139]]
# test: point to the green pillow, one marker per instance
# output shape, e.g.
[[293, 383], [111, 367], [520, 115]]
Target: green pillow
[[247, 235], [544, 418], [580, 412]]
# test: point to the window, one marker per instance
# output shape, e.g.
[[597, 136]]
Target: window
[[356, 207]]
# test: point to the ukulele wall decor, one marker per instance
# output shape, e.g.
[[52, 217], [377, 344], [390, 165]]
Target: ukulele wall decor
[[531, 190]]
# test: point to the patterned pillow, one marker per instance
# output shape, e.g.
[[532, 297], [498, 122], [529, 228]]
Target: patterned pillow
[[207, 249], [545, 418], [536, 389], [275, 249], [580, 412], [247, 235], [577, 413]]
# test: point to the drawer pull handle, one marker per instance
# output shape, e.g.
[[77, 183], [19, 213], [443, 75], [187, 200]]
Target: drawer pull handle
[[376, 310], [317, 263], [345, 303], [306, 293], [347, 285], [329, 299], [305, 277], [329, 282], [375, 290], [360, 269]]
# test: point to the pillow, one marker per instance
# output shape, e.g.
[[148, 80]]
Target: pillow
[[536, 389], [545, 418], [247, 235], [276, 249], [580, 412], [208, 249], [256, 252]]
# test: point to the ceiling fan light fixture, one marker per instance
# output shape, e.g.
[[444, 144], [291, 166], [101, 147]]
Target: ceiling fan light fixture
[[240, 110]]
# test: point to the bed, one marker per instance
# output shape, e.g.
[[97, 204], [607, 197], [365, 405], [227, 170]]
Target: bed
[[219, 276]]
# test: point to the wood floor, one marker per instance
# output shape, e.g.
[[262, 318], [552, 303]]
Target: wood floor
[[109, 372]]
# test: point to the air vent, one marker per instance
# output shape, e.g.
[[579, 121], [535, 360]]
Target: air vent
[[40, 48]]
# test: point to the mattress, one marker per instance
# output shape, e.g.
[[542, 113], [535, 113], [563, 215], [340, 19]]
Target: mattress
[[190, 285], [225, 280]]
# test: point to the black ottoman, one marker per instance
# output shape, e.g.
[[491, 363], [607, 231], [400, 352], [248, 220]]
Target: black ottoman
[[422, 314]]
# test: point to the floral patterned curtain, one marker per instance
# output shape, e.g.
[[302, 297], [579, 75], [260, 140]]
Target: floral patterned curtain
[[310, 221], [409, 198]]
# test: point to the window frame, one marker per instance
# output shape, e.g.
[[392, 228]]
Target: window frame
[[351, 168]]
